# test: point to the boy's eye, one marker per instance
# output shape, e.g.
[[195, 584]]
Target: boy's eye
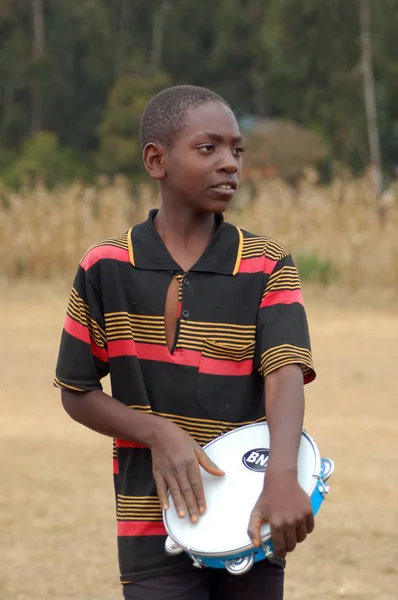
[[206, 148], [239, 150]]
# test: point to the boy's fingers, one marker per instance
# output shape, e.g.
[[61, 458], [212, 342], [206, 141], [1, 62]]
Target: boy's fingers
[[195, 479], [178, 500], [278, 540], [290, 539], [189, 496], [310, 523], [254, 528], [161, 488], [301, 532], [207, 463]]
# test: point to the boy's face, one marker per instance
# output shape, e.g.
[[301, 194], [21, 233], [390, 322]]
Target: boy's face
[[203, 168]]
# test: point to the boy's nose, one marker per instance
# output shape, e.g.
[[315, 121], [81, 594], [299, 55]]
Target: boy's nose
[[228, 166]]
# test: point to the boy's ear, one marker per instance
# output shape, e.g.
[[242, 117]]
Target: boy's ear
[[153, 156]]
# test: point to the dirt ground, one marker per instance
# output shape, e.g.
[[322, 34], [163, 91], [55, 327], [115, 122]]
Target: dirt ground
[[56, 497]]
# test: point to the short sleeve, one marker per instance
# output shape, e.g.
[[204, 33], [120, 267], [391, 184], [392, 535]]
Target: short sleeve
[[83, 357], [282, 329]]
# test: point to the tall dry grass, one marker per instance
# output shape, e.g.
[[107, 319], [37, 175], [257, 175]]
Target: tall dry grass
[[43, 234]]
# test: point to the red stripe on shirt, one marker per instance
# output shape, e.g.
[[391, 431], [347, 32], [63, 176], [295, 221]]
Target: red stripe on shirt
[[100, 353], [122, 348], [258, 264], [180, 356], [115, 467], [190, 358], [133, 528], [126, 444], [179, 309], [157, 352], [76, 329], [309, 378], [101, 252], [282, 297], [82, 333], [213, 366]]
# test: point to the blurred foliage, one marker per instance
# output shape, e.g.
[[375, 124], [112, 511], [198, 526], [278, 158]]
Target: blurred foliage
[[312, 267], [120, 149], [287, 147], [100, 60], [42, 160]]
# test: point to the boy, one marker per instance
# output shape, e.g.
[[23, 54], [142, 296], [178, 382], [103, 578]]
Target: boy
[[197, 323]]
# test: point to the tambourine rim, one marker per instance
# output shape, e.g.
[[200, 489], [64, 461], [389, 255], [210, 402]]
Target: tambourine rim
[[235, 551]]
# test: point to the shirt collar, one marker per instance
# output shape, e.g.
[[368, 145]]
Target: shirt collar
[[222, 255]]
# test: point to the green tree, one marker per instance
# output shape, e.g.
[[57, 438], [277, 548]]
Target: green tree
[[68, 70], [119, 132], [43, 160]]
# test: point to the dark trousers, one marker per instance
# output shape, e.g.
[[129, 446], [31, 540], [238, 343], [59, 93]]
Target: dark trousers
[[263, 582]]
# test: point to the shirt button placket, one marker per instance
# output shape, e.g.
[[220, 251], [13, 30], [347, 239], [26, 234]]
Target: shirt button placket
[[187, 282]]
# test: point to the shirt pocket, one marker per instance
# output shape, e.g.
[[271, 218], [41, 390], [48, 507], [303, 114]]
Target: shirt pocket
[[227, 386]]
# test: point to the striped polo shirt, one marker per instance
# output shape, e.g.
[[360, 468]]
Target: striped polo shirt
[[240, 317]]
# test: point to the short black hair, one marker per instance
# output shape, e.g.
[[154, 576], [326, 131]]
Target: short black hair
[[165, 114]]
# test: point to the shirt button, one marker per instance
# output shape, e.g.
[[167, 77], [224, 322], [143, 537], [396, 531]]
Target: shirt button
[[185, 314], [187, 282]]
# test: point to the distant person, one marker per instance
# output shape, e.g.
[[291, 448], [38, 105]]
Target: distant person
[[197, 322]]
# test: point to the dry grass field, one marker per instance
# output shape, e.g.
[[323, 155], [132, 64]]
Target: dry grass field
[[44, 233], [57, 514]]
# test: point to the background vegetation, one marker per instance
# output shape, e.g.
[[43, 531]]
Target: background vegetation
[[312, 82], [75, 76], [334, 231]]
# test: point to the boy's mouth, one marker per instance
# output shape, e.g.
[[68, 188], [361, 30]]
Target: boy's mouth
[[224, 186], [227, 187]]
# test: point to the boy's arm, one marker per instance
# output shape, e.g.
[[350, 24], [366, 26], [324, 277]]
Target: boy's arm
[[83, 361], [175, 454], [283, 503], [106, 415], [283, 357]]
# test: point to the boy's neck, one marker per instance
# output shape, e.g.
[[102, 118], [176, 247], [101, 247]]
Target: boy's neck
[[184, 225], [185, 234]]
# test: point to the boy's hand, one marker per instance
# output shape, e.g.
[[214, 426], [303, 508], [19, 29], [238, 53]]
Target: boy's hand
[[175, 462], [287, 508]]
